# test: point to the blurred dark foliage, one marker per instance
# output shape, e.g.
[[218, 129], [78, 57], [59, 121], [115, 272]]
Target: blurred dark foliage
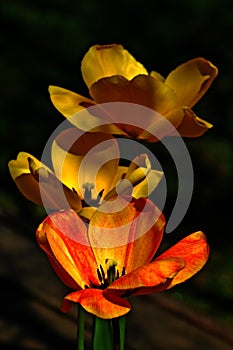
[[43, 42]]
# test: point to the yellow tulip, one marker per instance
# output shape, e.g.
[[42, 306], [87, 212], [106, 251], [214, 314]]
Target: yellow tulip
[[112, 74]]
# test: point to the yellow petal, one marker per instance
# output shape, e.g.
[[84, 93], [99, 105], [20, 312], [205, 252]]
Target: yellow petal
[[108, 60], [38, 184], [157, 75], [148, 185], [86, 213], [138, 180], [80, 158], [143, 179], [94, 118], [68, 102], [191, 80], [20, 166]]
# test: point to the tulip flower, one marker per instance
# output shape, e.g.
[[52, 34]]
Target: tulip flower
[[112, 258], [85, 171], [112, 74]]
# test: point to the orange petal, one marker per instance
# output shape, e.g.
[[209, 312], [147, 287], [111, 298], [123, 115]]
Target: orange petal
[[68, 102], [107, 60], [194, 250], [163, 126], [145, 277], [62, 274], [66, 235], [80, 158], [143, 90], [118, 230], [191, 80], [191, 125], [98, 302]]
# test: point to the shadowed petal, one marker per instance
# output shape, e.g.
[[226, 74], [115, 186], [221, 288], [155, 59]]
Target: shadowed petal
[[195, 252], [108, 60], [192, 125], [98, 302], [143, 90]]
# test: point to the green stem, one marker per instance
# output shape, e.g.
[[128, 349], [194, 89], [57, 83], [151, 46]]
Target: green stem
[[122, 327], [80, 330], [119, 332], [102, 334]]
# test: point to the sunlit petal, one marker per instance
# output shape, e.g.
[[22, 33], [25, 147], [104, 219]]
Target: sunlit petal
[[119, 230], [62, 273], [157, 75], [148, 185], [80, 158], [191, 80], [38, 184], [147, 276], [194, 250], [108, 60], [98, 302], [67, 237], [138, 180], [68, 102]]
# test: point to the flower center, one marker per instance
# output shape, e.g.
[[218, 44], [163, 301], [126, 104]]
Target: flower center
[[111, 275], [88, 200]]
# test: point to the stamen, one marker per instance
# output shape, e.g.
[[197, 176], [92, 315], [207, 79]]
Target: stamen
[[111, 270], [99, 275], [102, 271], [111, 274]]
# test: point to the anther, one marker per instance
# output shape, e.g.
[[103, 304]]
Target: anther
[[99, 275]]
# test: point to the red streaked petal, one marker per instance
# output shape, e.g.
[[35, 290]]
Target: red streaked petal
[[119, 229], [147, 276], [67, 237], [100, 303], [194, 250]]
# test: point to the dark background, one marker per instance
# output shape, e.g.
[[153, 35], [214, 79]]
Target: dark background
[[43, 42]]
